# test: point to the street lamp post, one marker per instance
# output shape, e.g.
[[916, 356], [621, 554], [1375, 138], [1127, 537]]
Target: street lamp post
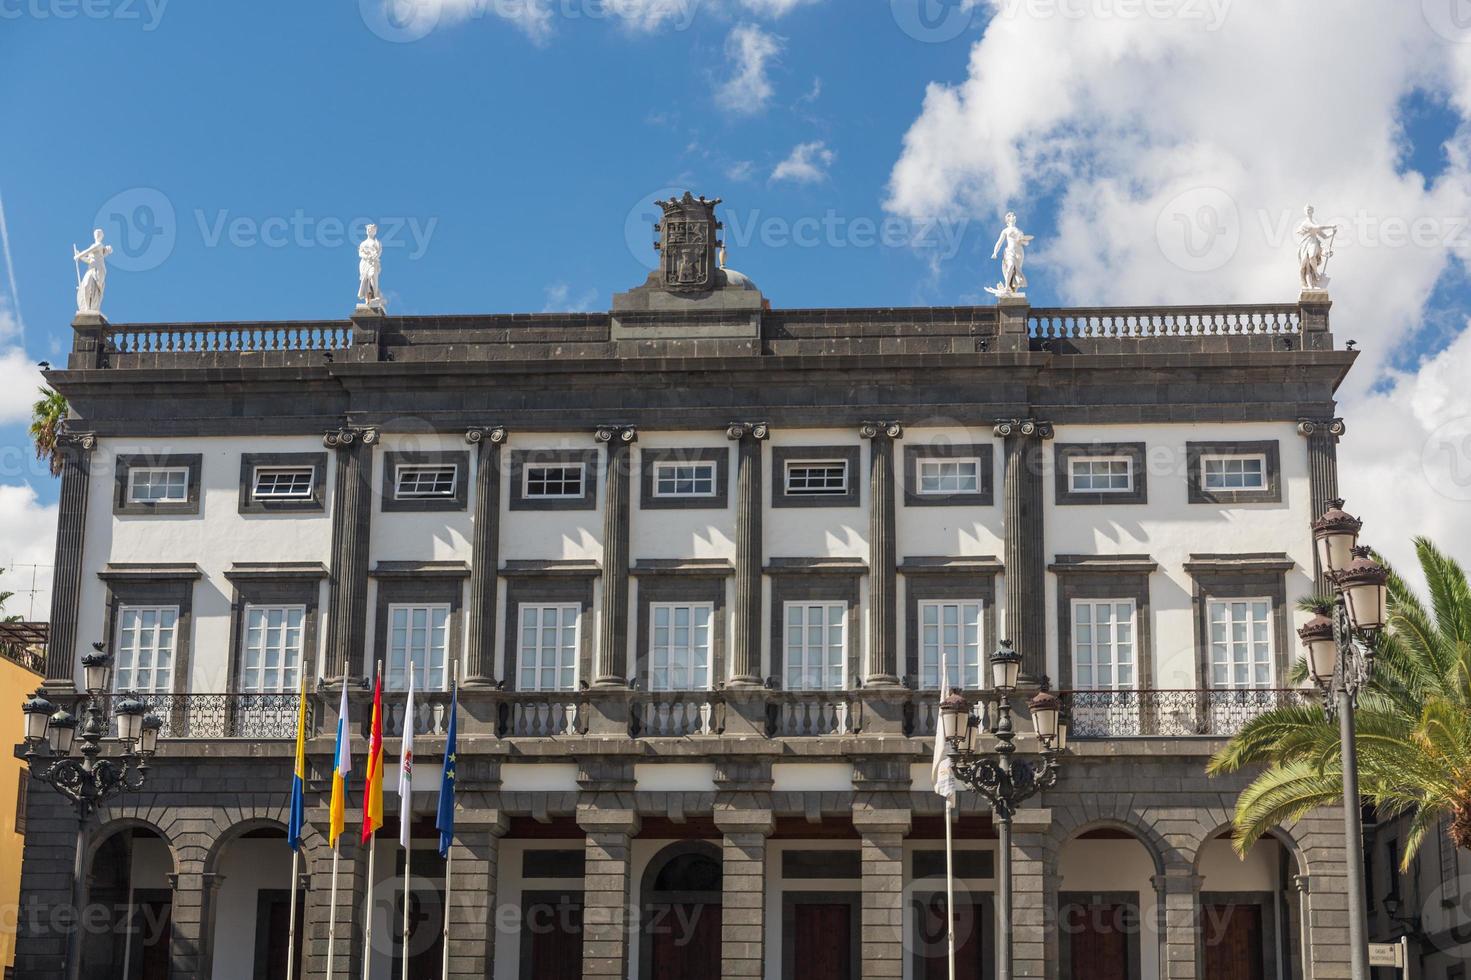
[[1003, 780], [90, 780], [1340, 654]]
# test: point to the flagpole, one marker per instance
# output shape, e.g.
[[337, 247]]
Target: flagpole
[[449, 857], [332, 910], [950, 880], [372, 861], [406, 814], [408, 856], [291, 928]]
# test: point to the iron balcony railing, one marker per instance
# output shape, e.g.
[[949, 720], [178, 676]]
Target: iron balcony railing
[[1171, 714], [257, 717]]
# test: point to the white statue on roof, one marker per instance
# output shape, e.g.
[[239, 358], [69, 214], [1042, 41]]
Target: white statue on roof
[[1015, 241], [91, 286], [370, 267], [1314, 249]]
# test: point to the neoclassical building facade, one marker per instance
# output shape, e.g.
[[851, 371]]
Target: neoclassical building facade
[[697, 562]]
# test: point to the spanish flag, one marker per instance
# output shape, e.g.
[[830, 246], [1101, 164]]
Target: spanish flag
[[373, 789], [297, 823], [341, 767]]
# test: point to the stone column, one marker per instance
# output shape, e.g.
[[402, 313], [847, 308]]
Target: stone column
[[1026, 565], [745, 654], [743, 893], [74, 450], [1322, 436], [882, 831], [605, 922], [612, 664], [883, 588], [1180, 892], [194, 891], [485, 555], [1303, 968], [1034, 884], [1313, 307], [352, 515], [474, 861]]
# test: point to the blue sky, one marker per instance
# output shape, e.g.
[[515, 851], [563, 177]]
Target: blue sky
[[512, 153]]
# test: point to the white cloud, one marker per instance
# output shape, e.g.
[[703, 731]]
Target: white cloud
[[1181, 149], [20, 381], [27, 549], [750, 52], [410, 20], [560, 299], [775, 8], [807, 164], [741, 170]]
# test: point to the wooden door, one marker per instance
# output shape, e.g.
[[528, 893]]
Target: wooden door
[[1098, 941], [822, 939], [970, 940], [272, 931], [154, 954], [687, 946], [552, 940], [1231, 936]]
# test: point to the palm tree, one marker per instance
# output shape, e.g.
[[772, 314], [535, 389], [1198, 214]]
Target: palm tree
[[1413, 728], [47, 415]]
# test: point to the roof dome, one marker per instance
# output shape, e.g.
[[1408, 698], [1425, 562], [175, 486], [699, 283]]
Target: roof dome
[[734, 279]]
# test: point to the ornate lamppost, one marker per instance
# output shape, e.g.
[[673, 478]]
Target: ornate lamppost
[[1340, 655], [1003, 780], [88, 780]]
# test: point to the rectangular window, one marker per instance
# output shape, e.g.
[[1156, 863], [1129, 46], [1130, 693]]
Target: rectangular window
[[283, 482], [419, 482], [161, 485], [1104, 647], [679, 646], [947, 476], [556, 481], [1240, 643], [816, 647], [950, 631], [418, 634], [817, 478], [271, 648], [147, 638], [1233, 472], [1100, 474], [684, 479], [547, 659]]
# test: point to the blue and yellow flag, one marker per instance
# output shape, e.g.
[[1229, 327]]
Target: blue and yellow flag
[[341, 767], [446, 819], [297, 823]]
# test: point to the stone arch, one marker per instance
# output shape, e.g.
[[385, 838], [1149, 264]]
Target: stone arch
[[140, 922], [1290, 844], [110, 825], [1070, 824]]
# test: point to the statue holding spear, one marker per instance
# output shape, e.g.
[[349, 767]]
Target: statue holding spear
[[1314, 249], [91, 286]]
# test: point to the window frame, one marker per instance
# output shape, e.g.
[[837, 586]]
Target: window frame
[[285, 687], [698, 468], [562, 606], [782, 457], [1250, 601], [521, 459], [581, 469], [844, 667], [981, 664], [1111, 578], [119, 649], [138, 585], [396, 461], [651, 624], [412, 605], [816, 465], [1073, 474], [251, 462], [652, 460], [128, 464], [418, 585], [1095, 602], [285, 584], [1205, 471], [916, 453], [1242, 576], [548, 585], [1197, 452], [1066, 453]]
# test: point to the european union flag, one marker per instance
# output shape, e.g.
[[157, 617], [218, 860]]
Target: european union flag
[[446, 819]]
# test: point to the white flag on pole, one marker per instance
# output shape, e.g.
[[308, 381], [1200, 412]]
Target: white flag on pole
[[406, 768], [941, 773]]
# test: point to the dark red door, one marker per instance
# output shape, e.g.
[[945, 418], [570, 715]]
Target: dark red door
[[930, 929], [822, 940], [1232, 939], [1100, 945], [686, 942], [555, 940]]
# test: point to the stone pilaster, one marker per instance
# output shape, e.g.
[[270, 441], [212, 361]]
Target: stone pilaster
[[485, 555], [612, 669], [352, 513], [474, 863], [74, 452], [1313, 307], [605, 890], [193, 893], [883, 587], [1026, 564], [352, 893], [1299, 888], [1035, 948], [1180, 892], [1322, 436], [882, 832], [743, 892], [745, 654]]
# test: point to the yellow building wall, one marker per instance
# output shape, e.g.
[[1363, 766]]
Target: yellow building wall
[[16, 685]]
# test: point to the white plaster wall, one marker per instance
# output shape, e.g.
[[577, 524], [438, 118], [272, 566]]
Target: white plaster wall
[[248, 866], [817, 532], [1116, 866], [832, 777], [1225, 871], [152, 862], [216, 538], [569, 535], [538, 777], [414, 536], [968, 531], [1170, 529], [674, 777]]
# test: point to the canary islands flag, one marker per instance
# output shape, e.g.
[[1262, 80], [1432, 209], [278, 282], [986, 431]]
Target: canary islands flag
[[297, 822], [373, 787], [341, 766]]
